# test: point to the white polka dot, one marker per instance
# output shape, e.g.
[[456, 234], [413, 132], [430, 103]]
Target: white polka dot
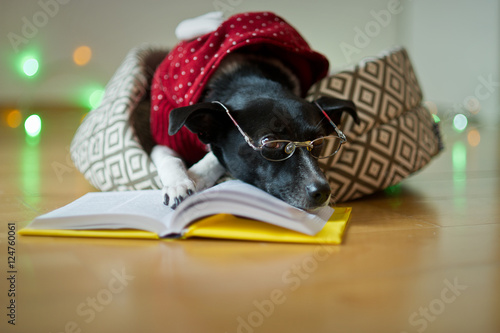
[[238, 19], [177, 65], [216, 55], [183, 73], [211, 45], [251, 21], [165, 77], [228, 51], [258, 17], [180, 55], [170, 57], [227, 35], [155, 107], [244, 27], [264, 25], [234, 43], [176, 77], [248, 40], [160, 96], [181, 100], [191, 103], [189, 84], [199, 39], [191, 70], [186, 96], [232, 26], [180, 86], [176, 88], [195, 58], [187, 61], [192, 50], [206, 57]]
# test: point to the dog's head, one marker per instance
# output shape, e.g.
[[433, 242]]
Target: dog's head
[[293, 176]]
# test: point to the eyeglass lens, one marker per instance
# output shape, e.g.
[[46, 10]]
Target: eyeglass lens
[[278, 150]]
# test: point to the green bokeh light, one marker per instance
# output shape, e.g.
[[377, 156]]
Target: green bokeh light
[[460, 122], [30, 66], [95, 98], [33, 125]]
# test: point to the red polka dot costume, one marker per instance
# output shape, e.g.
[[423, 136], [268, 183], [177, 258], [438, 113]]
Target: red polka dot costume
[[180, 79]]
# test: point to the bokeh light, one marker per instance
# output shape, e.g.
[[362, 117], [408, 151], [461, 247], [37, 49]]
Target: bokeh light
[[14, 118], [95, 98], [82, 55], [33, 125], [30, 66], [473, 137], [460, 122]]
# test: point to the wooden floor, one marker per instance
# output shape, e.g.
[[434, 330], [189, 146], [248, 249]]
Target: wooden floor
[[423, 257]]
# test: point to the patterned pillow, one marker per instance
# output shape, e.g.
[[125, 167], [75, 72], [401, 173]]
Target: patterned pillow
[[395, 138], [104, 147]]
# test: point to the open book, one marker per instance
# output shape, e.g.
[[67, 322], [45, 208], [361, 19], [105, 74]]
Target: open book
[[228, 210]]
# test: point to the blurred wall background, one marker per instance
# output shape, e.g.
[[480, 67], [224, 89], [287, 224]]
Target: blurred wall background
[[455, 45]]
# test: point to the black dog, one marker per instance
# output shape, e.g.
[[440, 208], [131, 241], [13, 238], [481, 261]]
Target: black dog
[[257, 97]]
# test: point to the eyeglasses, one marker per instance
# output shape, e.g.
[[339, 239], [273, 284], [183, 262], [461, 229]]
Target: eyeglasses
[[280, 150]]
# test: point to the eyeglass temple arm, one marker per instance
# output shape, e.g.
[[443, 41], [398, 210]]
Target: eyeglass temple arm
[[247, 138], [339, 132]]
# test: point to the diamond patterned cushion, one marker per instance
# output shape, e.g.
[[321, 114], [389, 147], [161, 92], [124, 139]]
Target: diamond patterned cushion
[[396, 137]]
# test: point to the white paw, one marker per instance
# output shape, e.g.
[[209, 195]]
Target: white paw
[[173, 194]]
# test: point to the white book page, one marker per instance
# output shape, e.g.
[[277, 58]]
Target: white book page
[[127, 209], [238, 198]]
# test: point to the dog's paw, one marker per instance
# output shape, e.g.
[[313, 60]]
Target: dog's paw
[[174, 194]]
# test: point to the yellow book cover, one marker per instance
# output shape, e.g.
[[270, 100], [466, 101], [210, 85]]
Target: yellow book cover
[[222, 226], [231, 210]]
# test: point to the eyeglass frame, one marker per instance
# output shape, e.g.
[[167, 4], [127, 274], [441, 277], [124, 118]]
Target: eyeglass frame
[[296, 144]]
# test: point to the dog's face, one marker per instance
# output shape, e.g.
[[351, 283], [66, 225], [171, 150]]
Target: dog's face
[[297, 180]]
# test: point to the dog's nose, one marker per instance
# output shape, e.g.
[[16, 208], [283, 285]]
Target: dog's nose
[[318, 193]]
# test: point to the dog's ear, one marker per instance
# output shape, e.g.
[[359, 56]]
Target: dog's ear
[[204, 119], [334, 107]]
